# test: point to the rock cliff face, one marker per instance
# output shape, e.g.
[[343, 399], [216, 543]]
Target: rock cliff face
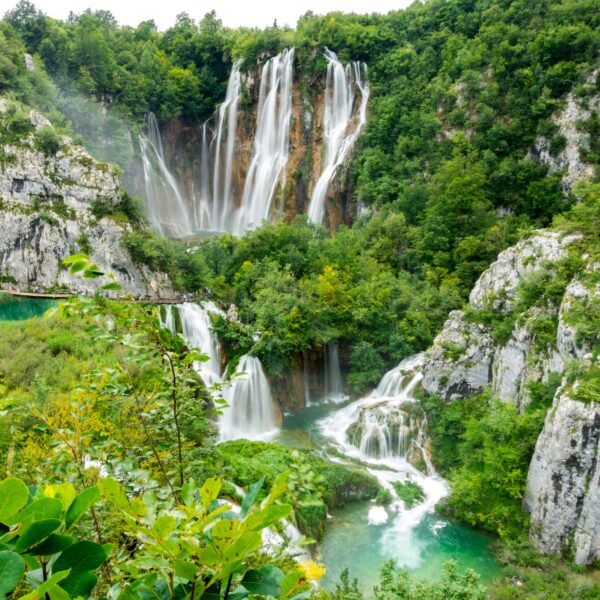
[[465, 357], [563, 486], [46, 214], [569, 160]]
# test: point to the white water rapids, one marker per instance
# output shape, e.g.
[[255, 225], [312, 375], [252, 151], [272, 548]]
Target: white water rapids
[[382, 441]]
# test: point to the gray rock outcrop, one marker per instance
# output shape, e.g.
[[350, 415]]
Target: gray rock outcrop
[[46, 215], [563, 483]]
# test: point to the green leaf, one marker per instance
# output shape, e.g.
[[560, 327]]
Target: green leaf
[[164, 526], [186, 570], [250, 497], [188, 492], [13, 497], [264, 581], [53, 544], [36, 532], [46, 587], [81, 503], [268, 516], [80, 557], [75, 258], [111, 287], [38, 510], [210, 490], [79, 584], [77, 266], [12, 567], [290, 582]]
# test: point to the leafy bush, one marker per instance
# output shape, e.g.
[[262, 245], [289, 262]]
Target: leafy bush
[[47, 140]]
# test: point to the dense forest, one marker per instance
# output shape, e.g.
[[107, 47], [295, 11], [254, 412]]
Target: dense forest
[[108, 428]]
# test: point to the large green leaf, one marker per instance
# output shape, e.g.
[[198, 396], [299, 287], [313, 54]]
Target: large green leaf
[[38, 510], [250, 497], [265, 581], [53, 544], [81, 503], [13, 497], [12, 567], [80, 557], [36, 532], [79, 584]]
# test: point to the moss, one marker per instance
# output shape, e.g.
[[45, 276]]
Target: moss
[[345, 485], [410, 493], [311, 519]]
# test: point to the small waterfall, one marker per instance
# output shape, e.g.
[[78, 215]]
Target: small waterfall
[[249, 413], [333, 374], [271, 142], [342, 123], [381, 431], [197, 332], [167, 208]]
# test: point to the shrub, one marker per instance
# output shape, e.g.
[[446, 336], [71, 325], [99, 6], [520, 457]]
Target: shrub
[[47, 140]]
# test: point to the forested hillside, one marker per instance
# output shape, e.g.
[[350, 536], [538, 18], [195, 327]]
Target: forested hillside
[[481, 135]]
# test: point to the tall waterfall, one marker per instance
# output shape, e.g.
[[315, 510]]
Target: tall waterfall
[[271, 142], [221, 204], [342, 123], [333, 374], [167, 208], [249, 413]]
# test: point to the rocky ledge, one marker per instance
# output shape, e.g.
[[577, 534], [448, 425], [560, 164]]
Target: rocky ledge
[[48, 211]]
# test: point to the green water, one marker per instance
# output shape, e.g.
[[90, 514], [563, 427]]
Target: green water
[[16, 308], [350, 542]]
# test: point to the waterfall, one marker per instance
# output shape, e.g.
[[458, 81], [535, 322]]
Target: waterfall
[[342, 123], [167, 209], [249, 413], [197, 332], [221, 203], [333, 374], [382, 431], [271, 142]]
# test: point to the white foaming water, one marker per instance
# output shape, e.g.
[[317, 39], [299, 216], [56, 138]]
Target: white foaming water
[[362, 431], [166, 207], [271, 142], [249, 413], [342, 123], [197, 332]]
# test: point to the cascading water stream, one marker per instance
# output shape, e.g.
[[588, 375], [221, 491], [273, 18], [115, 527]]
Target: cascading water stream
[[380, 431], [249, 413], [220, 207], [271, 142], [167, 208], [333, 374], [250, 410], [342, 123], [197, 332]]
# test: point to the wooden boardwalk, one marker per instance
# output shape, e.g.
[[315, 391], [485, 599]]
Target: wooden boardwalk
[[64, 295]]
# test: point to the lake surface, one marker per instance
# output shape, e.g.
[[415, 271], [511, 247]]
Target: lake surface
[[17, 308], [351, 542]]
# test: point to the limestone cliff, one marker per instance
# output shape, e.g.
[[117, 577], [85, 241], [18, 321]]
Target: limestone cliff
[[47, 201], [507, 339]]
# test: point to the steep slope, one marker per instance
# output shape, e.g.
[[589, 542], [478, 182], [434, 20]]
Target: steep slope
[[56, 200], [533, 319]]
